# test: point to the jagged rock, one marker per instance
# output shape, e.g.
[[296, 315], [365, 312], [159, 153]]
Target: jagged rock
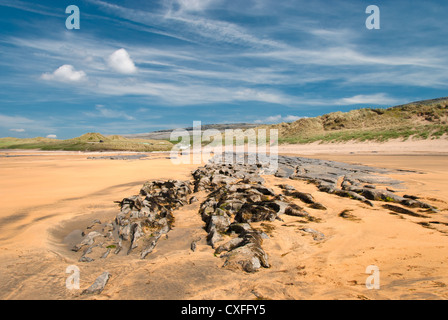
[[88, 240], [253, 212], [381, 195], [317, 235], [418, 204], [136, 234], [398, 209], [295, 210], [193, 244], [305, 197], [318, 206], [94, 222], [98, 286], [220, 180], [231, 206], [219, 222], [106, 254], [192, 200], [327, 187], [213, 237], [151, 244], [240, 227], [284, 171], [407, 196], [131, 203], [352, 195], [253, 179], [230, 245], [237, 197], [247, 253], [141, 221], [286, 187], [85, 259]]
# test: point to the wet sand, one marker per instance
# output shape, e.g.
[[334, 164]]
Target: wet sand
[[49, 196]]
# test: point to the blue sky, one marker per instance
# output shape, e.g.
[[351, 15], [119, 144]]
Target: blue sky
[[140, 66]]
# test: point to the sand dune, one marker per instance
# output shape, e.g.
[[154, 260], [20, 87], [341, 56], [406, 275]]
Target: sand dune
[[49, 195]]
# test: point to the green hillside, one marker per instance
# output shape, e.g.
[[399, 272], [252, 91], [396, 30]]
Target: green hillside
[[87, 142], [417, 120]]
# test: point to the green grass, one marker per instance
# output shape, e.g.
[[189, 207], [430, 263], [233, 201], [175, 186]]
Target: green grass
[[419, 120], [379, 135], [88, 142]]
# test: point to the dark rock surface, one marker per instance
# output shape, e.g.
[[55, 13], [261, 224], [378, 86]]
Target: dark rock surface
[[120, 157], [142, 220], [346, 180], [99, 284], [237, 197]]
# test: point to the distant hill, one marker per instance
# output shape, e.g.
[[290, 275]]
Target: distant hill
[[420, 120], [165, 134], [427, 119], [91, 141], [90, 137]]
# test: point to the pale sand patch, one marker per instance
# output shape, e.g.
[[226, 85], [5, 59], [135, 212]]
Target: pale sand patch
[[395, 146], [48, 195]]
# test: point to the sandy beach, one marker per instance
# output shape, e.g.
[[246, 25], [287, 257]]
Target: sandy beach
[[49, 195]]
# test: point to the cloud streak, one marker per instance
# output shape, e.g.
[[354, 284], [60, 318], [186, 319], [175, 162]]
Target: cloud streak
[[180, 58], [103, 112]]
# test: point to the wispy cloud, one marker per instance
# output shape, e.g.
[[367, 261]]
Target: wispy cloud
[[193, 5], [278, 118], [21, 124], [102, 112], [379, 99], [35, 7], [191, 28], [184, 58]]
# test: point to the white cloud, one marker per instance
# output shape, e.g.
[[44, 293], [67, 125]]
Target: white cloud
[[21, 124], [194, 5], [256, 95], [103, 112], [121, 62], [178, 23], [379, 98], [65, 73], [52, 136], [291, 118]]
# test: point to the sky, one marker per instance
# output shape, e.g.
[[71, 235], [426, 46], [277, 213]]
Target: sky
[[140, 66]]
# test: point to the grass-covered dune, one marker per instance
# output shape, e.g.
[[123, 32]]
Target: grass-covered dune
[[418, 120], [87, 142]]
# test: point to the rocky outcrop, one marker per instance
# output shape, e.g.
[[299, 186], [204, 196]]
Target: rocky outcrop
[[99, 284], [142, 220], [236, 198], [357, 182]]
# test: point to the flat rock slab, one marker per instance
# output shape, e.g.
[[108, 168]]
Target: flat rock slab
[[121, 157], [98, 286]]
